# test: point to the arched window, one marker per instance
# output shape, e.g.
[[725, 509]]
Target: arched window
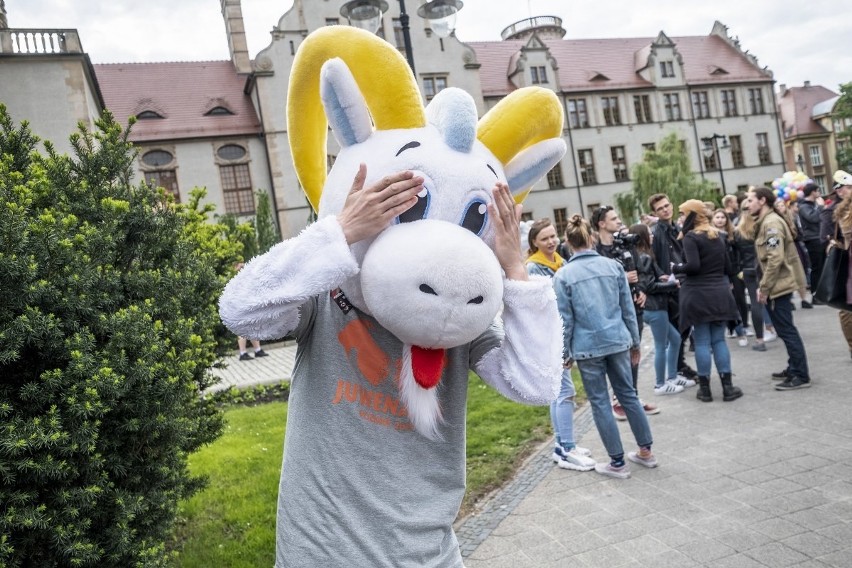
[[146, 114], [218, 111], [159, 171], [237, 190]]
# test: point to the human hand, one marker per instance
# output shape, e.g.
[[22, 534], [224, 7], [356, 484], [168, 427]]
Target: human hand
[[506, 215], [640, 299], [369, 210], [635, 356], [633, 277], [761, 297]]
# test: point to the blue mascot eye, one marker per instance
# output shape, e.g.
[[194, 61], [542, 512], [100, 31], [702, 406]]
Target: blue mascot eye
[[420, 209], [475, 217]]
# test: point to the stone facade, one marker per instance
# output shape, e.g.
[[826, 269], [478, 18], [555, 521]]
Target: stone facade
[[619, 96]]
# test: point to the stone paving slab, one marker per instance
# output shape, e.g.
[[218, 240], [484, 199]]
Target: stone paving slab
[[278, 366], [760, 481]]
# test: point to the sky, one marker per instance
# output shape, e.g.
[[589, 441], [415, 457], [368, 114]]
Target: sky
[[798, 41]]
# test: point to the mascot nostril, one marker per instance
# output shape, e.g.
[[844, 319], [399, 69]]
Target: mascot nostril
[[426, 289], [393, 308]]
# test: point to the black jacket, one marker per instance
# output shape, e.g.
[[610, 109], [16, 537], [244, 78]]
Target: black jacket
[[746, 255], [827, 224], [809, 220], [667, 248], [657, 292], [705, 295]]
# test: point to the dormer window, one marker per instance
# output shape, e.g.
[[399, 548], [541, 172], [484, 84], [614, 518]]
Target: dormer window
[[539, 74], [146, 114], [667, 69], [218, 111]]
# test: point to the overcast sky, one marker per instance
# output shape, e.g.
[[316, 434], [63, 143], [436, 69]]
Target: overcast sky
[[797, 40]]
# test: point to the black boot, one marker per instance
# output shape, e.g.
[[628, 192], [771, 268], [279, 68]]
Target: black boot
[[704, 394], [729, 391]]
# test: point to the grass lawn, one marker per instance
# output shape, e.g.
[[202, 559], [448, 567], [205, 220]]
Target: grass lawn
[[232, 522]]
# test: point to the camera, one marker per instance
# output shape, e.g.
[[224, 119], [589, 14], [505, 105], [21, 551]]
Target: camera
[[623, 247], [624, 240]]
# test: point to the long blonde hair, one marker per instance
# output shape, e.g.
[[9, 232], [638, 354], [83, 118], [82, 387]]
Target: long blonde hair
[[747, 224], [843, 215]]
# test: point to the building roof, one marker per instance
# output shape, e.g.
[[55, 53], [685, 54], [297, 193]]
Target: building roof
[[797, 105], [706, 59], [825, 107], [182, 93]]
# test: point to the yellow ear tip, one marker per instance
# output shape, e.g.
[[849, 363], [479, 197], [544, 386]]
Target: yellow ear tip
[[519, 120], [376, 65]]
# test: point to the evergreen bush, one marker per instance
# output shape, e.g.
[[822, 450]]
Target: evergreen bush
[[108, 328]]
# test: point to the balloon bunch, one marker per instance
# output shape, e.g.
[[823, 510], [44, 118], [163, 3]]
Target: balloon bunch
[[791, 185]]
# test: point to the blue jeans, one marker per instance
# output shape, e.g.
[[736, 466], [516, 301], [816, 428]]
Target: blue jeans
[[562, 412], [594, 372], [781, 311], [710, 338], [666, 344]]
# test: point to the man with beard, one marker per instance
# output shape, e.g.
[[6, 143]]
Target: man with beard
[[782, 275]]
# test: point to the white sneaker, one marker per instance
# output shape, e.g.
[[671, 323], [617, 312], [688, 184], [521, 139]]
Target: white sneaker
[[669, 387], [749, 332], [683, 381], [769, 336], [576, 461], [730, 334], [559, 452], [743, 341], [583, 451]]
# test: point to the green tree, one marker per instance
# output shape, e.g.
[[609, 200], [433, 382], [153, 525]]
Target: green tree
[[267, 229], [665, 169], [108, 329], [843, 110]]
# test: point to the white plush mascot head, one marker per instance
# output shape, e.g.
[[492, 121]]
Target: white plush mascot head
[[430, 277]]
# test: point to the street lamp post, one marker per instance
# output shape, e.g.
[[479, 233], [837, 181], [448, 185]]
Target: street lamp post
[[711, 148], [367, 15]]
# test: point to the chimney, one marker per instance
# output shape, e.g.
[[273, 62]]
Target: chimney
[[235, 30], [782, 89], [807, 84]]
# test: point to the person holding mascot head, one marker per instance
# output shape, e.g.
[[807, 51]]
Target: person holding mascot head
[[393, 296]]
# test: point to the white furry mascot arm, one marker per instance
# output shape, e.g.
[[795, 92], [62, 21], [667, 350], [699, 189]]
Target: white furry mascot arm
[[524, 366], [262, 300]]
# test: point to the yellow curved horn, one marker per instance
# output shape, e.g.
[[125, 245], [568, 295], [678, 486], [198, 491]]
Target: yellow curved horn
[[382, 74], [521, 119]]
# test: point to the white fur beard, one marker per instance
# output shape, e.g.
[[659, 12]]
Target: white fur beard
[[424, 409]]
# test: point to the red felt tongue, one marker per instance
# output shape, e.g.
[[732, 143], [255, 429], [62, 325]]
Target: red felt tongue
[[427, 365]]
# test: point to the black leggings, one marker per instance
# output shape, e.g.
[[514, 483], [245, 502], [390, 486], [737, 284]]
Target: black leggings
[[756, 307]]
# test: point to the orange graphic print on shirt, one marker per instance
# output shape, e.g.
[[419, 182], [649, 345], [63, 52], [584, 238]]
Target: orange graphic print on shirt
[[376, 367]]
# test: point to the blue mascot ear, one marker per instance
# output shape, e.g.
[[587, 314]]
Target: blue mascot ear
[[453, 112], [344, 104], [533, 163]]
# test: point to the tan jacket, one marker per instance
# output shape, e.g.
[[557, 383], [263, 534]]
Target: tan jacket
[[782, 271]]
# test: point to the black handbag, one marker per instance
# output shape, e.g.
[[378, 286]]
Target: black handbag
[[831, 289]]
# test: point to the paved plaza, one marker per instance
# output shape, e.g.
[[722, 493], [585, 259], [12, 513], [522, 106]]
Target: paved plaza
[[765, 480]]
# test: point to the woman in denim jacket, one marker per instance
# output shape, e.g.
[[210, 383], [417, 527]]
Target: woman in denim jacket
[[602, 337]]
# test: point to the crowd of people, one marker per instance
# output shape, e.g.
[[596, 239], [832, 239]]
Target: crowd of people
[[710, 274]]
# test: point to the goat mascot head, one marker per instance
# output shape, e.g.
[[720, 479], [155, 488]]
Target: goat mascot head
[[431, 277]]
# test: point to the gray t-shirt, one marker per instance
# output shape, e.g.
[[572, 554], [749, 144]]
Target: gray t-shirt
[[359, 487]]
